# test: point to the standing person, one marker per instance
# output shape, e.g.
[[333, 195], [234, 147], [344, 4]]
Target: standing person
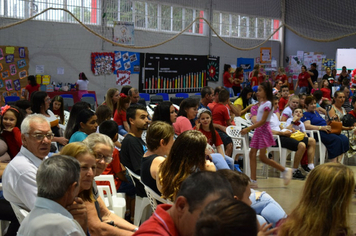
[[82, 85], [304, 80], [40, 105], [237, 80], [31, 87], [313, 75], [11, 119], [254, 79], [324, 205], [57, 200], [111, 99], [228, 80], [262, 137], [328, 76], [343, 75], [282, 76], [133, 147]]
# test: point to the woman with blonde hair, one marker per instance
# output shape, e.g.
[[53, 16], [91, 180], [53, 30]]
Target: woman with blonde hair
[[92, 162], [324, 206], [111, 99], [187, 156]]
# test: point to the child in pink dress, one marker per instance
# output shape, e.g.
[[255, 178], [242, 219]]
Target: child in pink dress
[[262, 137]]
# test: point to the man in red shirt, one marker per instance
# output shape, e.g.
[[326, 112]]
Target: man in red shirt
[[195, 193]]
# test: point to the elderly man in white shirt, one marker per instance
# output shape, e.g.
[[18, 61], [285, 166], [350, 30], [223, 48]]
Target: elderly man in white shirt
[[19, 178], [58, 185]]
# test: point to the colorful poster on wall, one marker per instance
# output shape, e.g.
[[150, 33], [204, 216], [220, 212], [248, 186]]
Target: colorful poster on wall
[[129, 61], [265, 55], [124, 32], [102, 63], [212, 69], [246, 63], [123, 77], [169, 73], [13, 60]]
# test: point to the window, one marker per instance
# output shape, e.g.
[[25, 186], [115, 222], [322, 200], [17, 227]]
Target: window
[[240, 26], [87, 11]]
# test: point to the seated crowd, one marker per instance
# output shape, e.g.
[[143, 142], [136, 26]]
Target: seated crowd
[[50, 159]]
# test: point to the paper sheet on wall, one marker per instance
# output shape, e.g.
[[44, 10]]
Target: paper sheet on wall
[[10, 50], [123, 77], [39, 69], [60, 71]]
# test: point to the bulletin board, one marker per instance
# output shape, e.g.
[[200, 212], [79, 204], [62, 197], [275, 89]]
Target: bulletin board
[[14, 64], [168, 73]]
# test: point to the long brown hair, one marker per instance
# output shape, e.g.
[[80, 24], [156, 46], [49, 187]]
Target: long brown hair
[[324, 206], [108, 99], [211, 125], [186, 157]]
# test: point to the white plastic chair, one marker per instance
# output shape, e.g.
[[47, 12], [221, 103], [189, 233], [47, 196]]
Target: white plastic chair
[[142, 211], [239, 146], [19, 212], [153, 197], [116, 205], [321, 146], [282, 152], [110, 179]]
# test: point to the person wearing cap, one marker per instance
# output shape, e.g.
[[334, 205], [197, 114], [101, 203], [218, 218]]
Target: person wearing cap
[[313, 75]]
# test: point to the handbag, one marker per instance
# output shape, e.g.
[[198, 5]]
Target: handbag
[[336, 126], [299, 136]]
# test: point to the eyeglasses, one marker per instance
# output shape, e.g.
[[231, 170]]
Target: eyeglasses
[[40, 137], [100, 157]]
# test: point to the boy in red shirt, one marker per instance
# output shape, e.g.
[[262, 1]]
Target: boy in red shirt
[[221, 116], [284, 99]]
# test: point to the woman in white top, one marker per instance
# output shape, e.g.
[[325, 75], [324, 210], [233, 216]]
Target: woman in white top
[[82, 85]]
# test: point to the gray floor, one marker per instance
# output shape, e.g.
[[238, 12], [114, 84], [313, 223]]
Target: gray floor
[[288, 196]]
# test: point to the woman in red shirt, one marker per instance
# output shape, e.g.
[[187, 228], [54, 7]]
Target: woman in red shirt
[[227, 79], [303, 81], [282, 76], [31, 87]]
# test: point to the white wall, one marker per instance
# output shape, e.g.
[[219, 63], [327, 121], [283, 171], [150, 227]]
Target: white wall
[[69, 46]]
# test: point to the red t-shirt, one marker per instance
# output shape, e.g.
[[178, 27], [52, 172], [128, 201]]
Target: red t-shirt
[[282, 103], [13, 141], [260, 78], [239, 77], [31, 89], [303, 79], [120, 117], [220, 114], [283, 78], [254, 81], [326, 93], [208, 135], [226, 77], [113, 168]]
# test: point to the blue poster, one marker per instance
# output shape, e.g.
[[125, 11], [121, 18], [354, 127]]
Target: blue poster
[[246, 63], [129, 61]]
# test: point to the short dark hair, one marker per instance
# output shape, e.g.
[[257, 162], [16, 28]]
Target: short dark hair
[[227, 216], [32, 80], [224, 95], [82, 117], [206, 90], [131, 112], [109, 128], [284, 86], [162, 112], [23, 104], [186, 104], [309, 100], [218, 89], [318, 95], [239, 181], [198, 186]]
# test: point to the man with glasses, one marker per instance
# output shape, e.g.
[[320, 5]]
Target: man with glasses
[[19, 178]]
